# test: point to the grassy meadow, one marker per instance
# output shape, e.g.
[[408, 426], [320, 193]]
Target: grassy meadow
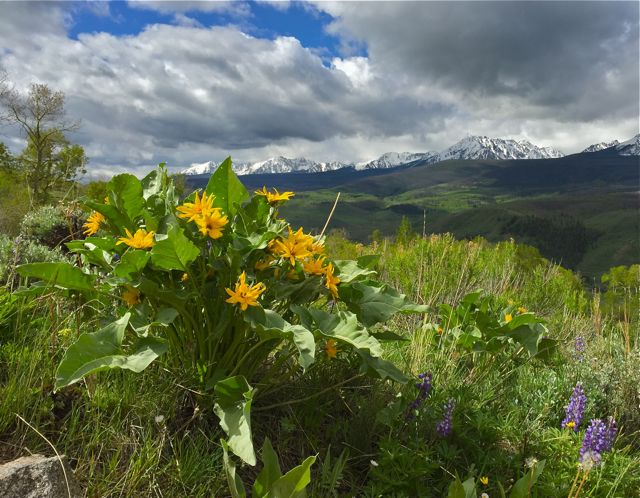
[[154, 434]]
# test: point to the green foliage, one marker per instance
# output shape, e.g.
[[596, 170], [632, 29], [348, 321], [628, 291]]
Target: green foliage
[[53, 226], [477, 325], [176, 275], [17, 251], [270, 482], [14, 201], [405, 233], [621, 298]]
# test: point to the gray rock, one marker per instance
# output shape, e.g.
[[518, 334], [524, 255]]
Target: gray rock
[[37, 477]]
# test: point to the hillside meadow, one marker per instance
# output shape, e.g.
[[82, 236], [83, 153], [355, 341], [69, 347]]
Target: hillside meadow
[[416, 365]]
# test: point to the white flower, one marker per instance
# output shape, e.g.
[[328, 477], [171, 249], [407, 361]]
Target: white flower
[[531, 462], [484, 495], [159, 419], [374, 463]]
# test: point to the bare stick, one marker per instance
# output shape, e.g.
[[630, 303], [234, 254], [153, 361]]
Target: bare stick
[[330, 215], [64, 471]]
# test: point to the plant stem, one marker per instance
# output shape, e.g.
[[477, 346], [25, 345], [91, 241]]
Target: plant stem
[[307, 398]]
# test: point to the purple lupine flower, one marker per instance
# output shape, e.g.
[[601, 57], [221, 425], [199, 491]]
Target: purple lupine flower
[[424, 387], [445, 426], [598, 439], [579, 348], [575, 409]]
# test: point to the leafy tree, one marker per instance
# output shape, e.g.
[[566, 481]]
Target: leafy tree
[[96, 190], [49, 158], [405, 233], [8, 161]]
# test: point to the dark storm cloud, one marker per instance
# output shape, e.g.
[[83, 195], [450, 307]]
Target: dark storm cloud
[[552, 54]]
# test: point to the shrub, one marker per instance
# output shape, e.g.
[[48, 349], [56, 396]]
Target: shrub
[[53, 226], [17, 251]]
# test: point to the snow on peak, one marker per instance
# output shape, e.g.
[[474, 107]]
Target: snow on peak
[[277, 164], [481, 147], [393, 159], [601, 146], [200, 168], [630, 148]]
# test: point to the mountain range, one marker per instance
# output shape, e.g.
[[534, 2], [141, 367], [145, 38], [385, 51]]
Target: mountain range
[[469, 148]]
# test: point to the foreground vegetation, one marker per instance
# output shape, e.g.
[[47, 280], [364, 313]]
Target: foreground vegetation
[[487, 404]]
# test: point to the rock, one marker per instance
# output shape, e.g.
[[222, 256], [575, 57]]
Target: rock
[[37, 477]]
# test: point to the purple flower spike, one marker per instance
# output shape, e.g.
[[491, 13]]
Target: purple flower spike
[[575, 409], [424, 387], [598, 439], [445, 426]]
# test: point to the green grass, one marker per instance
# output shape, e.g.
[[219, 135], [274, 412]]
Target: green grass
[[509, 408]]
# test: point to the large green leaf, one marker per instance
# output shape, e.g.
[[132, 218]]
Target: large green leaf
[[269, 321], [270, 472], [522, 487], [63, 275], [131, 263], [383, 369], [343, 326], [227, 188], [349, 270], [118, 219], [125, 193], [374, 302], [233, 408], [294, 482], [154, 182], [103, 350], [529, 336], [176, 252], [236, 486]]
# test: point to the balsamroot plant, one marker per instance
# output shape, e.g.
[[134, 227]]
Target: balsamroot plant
[[229, 292]]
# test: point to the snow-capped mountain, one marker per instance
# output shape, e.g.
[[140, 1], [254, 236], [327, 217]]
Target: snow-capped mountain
[[601, 146], [200, 168], [393, 159], [480, 147], [630, 148], [473, 147], [273, 165], [285, 165]]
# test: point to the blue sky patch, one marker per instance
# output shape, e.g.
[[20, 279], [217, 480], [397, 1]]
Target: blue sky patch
[[265, 21]]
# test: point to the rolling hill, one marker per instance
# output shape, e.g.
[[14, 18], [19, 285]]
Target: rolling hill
[[580, 210]]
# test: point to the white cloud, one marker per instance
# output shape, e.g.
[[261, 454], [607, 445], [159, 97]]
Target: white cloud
[[184, 93]]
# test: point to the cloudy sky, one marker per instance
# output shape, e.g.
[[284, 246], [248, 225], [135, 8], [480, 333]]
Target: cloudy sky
[[186, 82]]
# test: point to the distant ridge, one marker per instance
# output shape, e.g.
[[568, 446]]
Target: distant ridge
[[470, 148]]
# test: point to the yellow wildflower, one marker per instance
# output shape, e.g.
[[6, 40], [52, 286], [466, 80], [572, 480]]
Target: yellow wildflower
[[185, 277], [297, 245], [484, 480], [570, 425], [332, 281], [200, 207], [288, 249], [440, 330], [314, 266], [522, 309], [243, 294], [273, 198], [93, 223], [330, 349], [263, 263], [131, 296], [140, 240], [317, 247], [508, 317], [212, 224]]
